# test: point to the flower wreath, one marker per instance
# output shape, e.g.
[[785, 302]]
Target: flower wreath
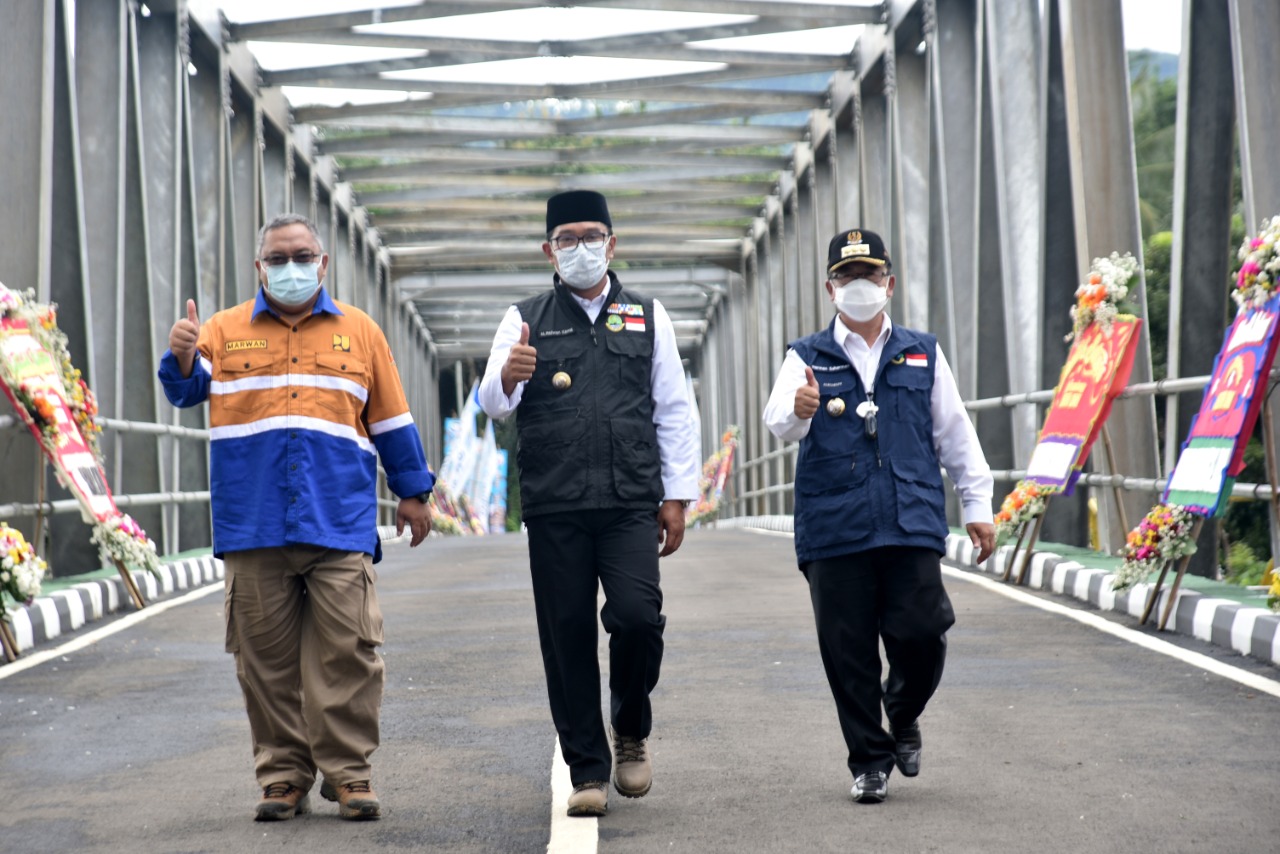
[[121, 538], [715, 472], [1259, 267], [1164, 534], [20, 568], [42, 323], [1027, 501], [1100, 300]]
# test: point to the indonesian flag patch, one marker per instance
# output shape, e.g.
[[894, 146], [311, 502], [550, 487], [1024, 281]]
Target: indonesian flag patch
[[634, 324], [918, 360]]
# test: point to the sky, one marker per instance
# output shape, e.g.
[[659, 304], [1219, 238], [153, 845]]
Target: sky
[[1149, 24]]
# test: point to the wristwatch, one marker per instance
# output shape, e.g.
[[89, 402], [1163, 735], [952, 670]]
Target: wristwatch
[[424, 497]]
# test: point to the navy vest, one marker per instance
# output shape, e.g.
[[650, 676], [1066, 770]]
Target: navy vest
[[592, 445], [852, 492]]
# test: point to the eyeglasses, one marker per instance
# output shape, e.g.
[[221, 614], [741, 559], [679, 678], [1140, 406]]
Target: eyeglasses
[[594, 240], [279, 260], [841, 279]]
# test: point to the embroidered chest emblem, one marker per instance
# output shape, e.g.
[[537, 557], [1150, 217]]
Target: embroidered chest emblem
[[342, 342]]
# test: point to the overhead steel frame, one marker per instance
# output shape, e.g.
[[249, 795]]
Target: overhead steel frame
[[141, 158], [986, 140]]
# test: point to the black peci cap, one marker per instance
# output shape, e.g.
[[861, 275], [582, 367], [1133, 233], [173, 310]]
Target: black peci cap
[[856, 245], [577, 206]]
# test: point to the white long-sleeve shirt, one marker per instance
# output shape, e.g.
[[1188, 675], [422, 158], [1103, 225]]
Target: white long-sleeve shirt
[[678, 443], [954, 439]]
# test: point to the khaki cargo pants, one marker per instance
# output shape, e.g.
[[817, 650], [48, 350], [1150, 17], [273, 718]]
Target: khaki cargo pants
[[303, 623]]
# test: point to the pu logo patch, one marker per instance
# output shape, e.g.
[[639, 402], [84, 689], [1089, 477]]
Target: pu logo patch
[[342, 342]]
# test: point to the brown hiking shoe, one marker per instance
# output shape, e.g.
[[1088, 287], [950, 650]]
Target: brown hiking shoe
[[632, 768], [281, 802], [356, 801], [590, 798]]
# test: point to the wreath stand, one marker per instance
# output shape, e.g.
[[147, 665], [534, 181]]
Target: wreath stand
[[7, 640], [130, 584], [1031, 545], [1183, 563]]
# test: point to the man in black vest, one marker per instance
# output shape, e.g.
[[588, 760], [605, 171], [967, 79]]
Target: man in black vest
[[876, 411], [609, 457]]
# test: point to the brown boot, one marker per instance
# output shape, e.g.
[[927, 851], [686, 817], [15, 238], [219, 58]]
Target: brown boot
[[356, 801], [281, 802], [590, 798], [632, 768]]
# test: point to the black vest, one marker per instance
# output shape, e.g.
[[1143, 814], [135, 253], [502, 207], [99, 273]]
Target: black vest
[[592, 445]]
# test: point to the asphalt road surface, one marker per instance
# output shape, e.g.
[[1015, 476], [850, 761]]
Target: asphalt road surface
[[1046, 735]]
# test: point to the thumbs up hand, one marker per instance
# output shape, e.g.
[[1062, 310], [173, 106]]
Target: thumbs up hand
[[521, 362], [183, 337], [807, 397]]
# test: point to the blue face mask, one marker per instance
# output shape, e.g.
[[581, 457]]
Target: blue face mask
[[293, 284]]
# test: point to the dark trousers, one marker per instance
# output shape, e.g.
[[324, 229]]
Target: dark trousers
[[894, 593], [570, 556]]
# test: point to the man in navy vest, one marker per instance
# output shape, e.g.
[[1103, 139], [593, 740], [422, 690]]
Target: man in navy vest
[[609, 458], [877, 414]]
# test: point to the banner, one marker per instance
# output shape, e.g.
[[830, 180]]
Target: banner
[[58, 408], [1213, 453], [33, 384], [498, 501], [1097, 369]]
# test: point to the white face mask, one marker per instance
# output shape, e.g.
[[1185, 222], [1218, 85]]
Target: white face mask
[[862, 299], [581, 268], [293, 284]]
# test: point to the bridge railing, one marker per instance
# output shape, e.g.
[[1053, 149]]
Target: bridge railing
[[167, 434], [776, 497]]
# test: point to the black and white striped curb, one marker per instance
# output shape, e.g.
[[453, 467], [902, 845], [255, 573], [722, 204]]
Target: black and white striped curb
[[1247, 629], [48, 617], [63, 611]]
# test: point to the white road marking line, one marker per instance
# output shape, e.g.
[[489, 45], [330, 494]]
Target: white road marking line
[[576, 835], [1195, 659], [1089, 618], [26, 662]]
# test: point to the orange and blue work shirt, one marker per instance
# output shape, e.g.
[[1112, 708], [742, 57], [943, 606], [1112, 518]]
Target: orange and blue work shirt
[[299, 415]]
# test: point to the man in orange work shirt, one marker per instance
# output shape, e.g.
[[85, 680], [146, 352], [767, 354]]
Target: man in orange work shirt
[[304, 397]]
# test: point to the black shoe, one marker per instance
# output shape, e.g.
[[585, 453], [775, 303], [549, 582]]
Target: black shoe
[[870, 788], [907, 749]]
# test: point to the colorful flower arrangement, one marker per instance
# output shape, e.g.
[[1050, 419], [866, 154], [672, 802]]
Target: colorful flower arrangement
[[20, 568], [451, 514], [1027, 501], [42, 322], [1100, 299], [1164, 534], [121, 538], [715, 473], [1259, 266]]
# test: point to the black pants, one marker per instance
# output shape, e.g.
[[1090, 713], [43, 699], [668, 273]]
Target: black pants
[[570, 554], [894, 593]]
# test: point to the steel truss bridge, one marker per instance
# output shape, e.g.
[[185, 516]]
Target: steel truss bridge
[[990, 141]]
